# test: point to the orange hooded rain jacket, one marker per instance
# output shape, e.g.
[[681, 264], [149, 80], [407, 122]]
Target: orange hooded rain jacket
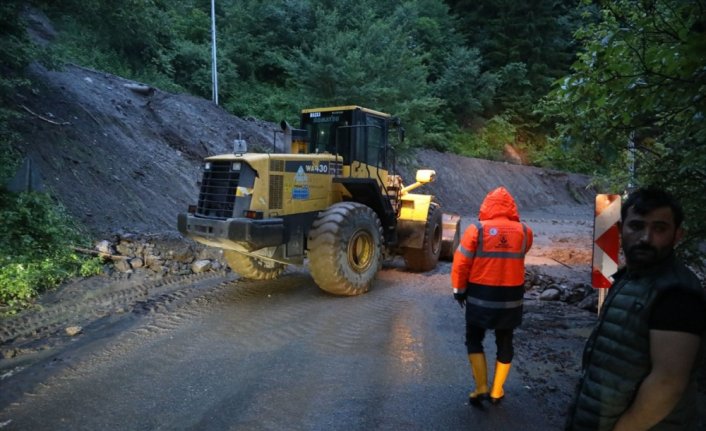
[[490, 259]]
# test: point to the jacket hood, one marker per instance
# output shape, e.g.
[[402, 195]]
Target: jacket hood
[[498, 203]]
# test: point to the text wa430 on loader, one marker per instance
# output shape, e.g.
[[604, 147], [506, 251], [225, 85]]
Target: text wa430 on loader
[[331, 198]]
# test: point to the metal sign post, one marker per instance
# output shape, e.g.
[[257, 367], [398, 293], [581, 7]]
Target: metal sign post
[[214, 68]]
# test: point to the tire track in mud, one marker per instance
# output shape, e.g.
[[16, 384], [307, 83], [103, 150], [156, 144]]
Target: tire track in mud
[[269, 315], [247, 324], [167, 302], [145, 297], [245, 313], [254, 316], [263, 315]]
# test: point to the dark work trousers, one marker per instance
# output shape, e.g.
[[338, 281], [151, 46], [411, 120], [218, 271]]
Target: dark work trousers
[[503, 342]]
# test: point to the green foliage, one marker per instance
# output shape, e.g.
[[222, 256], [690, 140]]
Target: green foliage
[[138, 30], [532, 38], [15, 54], [9, 158], [356, 56], [263, 100], [515, 93], [558, 153], [489, 142], [36, 239], [15, 50], [35, 233], [525, 46], [640, 76], [392, 56], [191, 65], [406, 57], [255, 33], [136, 39], [466, 91]]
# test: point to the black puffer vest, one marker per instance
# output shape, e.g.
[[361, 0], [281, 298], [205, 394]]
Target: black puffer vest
[[617, 355]]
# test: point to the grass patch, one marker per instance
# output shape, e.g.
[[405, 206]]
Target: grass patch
[[37, 240]]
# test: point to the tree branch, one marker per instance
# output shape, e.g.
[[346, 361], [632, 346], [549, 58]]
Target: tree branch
[[65, 123]]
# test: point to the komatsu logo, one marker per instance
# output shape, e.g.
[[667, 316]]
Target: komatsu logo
[[317, 168]]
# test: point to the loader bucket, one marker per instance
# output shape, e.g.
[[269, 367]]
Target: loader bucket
[[450, 235]]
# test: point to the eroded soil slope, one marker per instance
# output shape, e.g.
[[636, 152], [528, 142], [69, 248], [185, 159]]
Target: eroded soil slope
[[126, 160]]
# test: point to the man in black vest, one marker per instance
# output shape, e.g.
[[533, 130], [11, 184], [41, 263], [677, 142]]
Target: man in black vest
[[639, 363]]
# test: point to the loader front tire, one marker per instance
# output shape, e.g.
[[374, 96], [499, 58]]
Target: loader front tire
[[426, 258], [345, 248], [251, 267]]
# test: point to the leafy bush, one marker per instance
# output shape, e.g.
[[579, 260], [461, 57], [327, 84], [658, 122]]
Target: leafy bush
[[36, 248], [639, 78], [489, 141], [556, 153]]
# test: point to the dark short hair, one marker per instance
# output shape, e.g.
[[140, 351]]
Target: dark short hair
[[646, 199]]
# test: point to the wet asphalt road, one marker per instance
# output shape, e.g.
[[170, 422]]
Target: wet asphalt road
[[277, 355]]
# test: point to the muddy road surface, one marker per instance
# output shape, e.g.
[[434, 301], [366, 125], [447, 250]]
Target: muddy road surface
[[219, 353]]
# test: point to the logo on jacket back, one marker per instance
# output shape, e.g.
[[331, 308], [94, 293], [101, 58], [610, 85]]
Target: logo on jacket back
[[503, 242]]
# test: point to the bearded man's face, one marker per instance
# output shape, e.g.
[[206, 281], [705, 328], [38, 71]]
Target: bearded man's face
[[649, 238]]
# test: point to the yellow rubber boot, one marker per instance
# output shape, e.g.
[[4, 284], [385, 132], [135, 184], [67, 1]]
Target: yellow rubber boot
[[479, 367], [501, 371]]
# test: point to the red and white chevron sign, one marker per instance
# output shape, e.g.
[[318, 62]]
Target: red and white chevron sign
[[606, 240]]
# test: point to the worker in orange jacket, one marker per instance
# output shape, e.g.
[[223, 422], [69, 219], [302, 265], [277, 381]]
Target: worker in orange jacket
[[487, 277]]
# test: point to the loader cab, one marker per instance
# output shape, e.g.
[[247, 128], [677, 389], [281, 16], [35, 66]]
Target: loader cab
[[357, 134]]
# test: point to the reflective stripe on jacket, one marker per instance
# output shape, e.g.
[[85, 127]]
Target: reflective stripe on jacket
[[492, 251]]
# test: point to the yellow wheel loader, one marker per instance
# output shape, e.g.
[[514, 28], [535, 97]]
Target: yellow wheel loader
[[330, 196]]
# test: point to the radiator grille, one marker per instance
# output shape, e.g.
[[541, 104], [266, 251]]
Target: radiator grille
[[217, 195], [276, 165], [276, 191]]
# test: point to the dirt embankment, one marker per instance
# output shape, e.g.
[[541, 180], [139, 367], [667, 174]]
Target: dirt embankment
[[120, 159], [463, 182], [126, 158]]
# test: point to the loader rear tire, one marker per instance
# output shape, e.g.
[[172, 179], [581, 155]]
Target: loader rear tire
[[345, 248], [251, 267], [426, 258]]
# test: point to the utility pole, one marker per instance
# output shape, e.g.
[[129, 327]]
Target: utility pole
[[214, 68]]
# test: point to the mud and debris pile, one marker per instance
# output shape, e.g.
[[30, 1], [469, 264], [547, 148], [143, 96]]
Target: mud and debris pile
[[547, 288], [157, 256]]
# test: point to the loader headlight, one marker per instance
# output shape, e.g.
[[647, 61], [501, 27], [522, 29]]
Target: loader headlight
[[425, 176], [207, 166], [235, 166]]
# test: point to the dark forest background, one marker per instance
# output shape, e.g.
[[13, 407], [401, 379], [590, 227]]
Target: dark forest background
[[566, 83]]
